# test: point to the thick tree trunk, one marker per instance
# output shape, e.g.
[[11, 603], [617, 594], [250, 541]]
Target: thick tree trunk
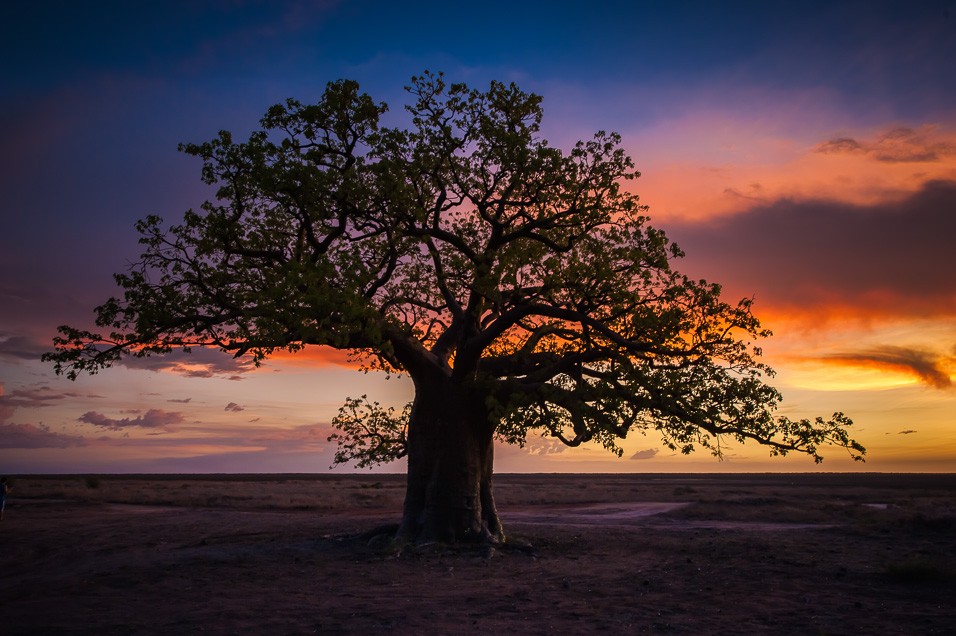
[[449, 494]]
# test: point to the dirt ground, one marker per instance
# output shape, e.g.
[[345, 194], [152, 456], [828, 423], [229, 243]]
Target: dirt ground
[[611, 554]]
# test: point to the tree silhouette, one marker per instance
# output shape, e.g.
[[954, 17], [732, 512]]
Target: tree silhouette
[[520, 287]]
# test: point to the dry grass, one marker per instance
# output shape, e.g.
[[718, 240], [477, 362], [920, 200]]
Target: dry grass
[[254, 492], [224, 554]]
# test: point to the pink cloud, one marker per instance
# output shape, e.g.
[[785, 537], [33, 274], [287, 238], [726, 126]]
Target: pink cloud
[[153, 418], [291, 437], [30, 436], [31, 397]]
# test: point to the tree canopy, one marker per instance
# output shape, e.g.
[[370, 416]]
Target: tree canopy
[[462, 247]]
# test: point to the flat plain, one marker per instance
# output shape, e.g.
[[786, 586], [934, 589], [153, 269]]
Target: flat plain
[[821, 553]]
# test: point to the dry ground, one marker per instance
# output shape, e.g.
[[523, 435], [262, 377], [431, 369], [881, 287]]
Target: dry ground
[[613, 554]]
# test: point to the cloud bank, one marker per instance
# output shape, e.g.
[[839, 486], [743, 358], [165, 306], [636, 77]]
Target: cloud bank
[[811, 257]]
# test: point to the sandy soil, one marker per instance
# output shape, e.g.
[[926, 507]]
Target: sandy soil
[[612, 554]]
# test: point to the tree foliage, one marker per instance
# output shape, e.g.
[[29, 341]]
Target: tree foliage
[[368, 434], [462, 246]]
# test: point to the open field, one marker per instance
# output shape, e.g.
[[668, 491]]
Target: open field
[[612, 554]]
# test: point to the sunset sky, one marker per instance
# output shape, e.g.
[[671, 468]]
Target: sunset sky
[[800, 153]]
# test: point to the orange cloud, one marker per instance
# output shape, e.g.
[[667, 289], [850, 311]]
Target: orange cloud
[[317, 356], [896, 145], [719, 165], [208, 362], [924, 365]]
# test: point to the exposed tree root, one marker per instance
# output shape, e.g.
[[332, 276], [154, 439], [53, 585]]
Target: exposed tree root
[[384, 539]]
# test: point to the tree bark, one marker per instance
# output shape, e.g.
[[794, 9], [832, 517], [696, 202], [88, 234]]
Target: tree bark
[[449, 496]]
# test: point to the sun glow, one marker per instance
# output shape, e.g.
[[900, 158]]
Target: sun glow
[[847, 377], [727, 165]]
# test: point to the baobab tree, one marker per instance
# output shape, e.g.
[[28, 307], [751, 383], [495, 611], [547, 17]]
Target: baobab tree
[[519, 287]]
